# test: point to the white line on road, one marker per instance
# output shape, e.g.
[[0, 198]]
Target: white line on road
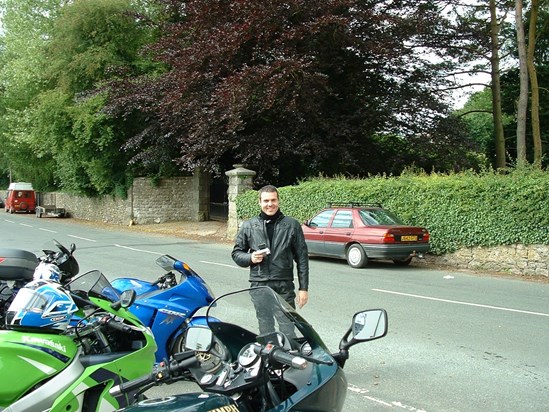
[[82, 238], [24, 224], [363, 392], [47, 230], [462, 303], [139, 250], [222, 264]]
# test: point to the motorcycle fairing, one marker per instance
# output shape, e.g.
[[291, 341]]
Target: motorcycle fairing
[[327, 387], [140, 286], [166, 309], [43, 397], [34, 357], [98, 379]]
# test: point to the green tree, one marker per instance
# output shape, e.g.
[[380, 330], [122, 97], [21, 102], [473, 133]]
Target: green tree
[[25, 26], [64, 124], [511, 137]]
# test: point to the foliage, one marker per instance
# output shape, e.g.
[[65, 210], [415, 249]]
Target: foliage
[[60, 127], [460, 210], [293, 88], [481, 125], [289, 88], [478, 119]]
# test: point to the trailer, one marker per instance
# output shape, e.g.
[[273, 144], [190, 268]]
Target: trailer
[[48, 206], [50, 210]]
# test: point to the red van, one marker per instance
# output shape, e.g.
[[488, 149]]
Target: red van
[[20, 197]]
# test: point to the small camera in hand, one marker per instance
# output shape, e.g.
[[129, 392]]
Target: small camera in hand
[[264, 251]]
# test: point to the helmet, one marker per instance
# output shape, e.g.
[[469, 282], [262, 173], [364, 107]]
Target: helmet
[[41, 304], [47, 271]]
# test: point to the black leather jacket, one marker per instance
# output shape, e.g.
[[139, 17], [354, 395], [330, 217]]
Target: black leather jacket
[[288, 246]]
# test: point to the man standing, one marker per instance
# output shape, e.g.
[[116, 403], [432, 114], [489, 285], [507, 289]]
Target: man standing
[[283, 237]]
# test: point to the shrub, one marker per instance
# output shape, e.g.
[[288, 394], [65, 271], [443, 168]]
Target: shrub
[[460, 210]]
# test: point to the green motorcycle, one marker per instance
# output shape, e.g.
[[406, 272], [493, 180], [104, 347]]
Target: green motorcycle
[[64, 347]]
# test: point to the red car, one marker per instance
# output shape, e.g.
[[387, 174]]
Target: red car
[[359, 232]]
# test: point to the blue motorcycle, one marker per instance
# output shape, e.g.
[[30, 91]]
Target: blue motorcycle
[[167, 306]]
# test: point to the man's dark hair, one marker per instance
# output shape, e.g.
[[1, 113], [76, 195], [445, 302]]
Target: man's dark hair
[[268, 189]]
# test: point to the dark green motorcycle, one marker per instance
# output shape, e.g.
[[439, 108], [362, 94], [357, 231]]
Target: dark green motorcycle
[[258, 354]]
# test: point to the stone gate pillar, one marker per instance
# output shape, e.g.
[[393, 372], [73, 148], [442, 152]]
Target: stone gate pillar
[[240, 181]]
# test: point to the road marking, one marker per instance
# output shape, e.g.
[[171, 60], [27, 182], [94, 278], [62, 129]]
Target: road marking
[[47, 230], [24, 224], [9, 221], [82, 238], [222, 264], [457, 302], [139, 250], [363, 392]]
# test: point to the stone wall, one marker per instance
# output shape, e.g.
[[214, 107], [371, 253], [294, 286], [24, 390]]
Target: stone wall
[[169, 200], [523, 260]]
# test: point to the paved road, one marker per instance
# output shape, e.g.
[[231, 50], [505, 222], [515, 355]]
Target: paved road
[[456, 342]]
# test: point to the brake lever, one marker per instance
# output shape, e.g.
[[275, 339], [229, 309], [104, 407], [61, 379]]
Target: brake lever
[[314, 360]]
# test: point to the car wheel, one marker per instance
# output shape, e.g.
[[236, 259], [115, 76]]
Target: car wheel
[[356, 256], [402, 262]]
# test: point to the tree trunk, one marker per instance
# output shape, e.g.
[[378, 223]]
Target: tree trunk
[[496, 89], [532, 32], [522, 104]]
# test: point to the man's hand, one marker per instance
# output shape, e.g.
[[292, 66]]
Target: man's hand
[[302, 298], [257, 257]]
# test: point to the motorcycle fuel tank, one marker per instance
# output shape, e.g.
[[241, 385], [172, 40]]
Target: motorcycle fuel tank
[[28, 358], [188, 402]]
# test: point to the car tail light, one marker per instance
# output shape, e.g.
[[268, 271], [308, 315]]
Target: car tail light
[[426, 236], [389, 238]]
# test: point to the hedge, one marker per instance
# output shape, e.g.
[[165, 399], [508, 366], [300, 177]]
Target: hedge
[[460, 210]]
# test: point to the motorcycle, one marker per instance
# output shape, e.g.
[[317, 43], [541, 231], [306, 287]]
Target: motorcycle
[[165, 305], [47, 364], [168, 305], [268, 359], [20, 267]]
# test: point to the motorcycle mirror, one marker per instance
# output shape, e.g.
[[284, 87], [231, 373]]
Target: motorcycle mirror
[[369, 325], [127, 298], [72, 248], [198, 338]]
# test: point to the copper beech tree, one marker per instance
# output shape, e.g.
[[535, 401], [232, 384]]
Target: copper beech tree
[[294, 88]]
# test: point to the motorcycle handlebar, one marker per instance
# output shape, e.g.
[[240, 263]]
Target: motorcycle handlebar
[[163, 372], [279, 355], [118, 326], [132, 385]]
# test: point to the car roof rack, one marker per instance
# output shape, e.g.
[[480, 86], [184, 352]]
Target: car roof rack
[[353, 204]]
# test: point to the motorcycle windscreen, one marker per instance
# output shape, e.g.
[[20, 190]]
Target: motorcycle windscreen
[[94, 284], [258, 310]]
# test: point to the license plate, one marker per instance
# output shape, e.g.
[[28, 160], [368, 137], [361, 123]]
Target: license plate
[[408, 238]]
